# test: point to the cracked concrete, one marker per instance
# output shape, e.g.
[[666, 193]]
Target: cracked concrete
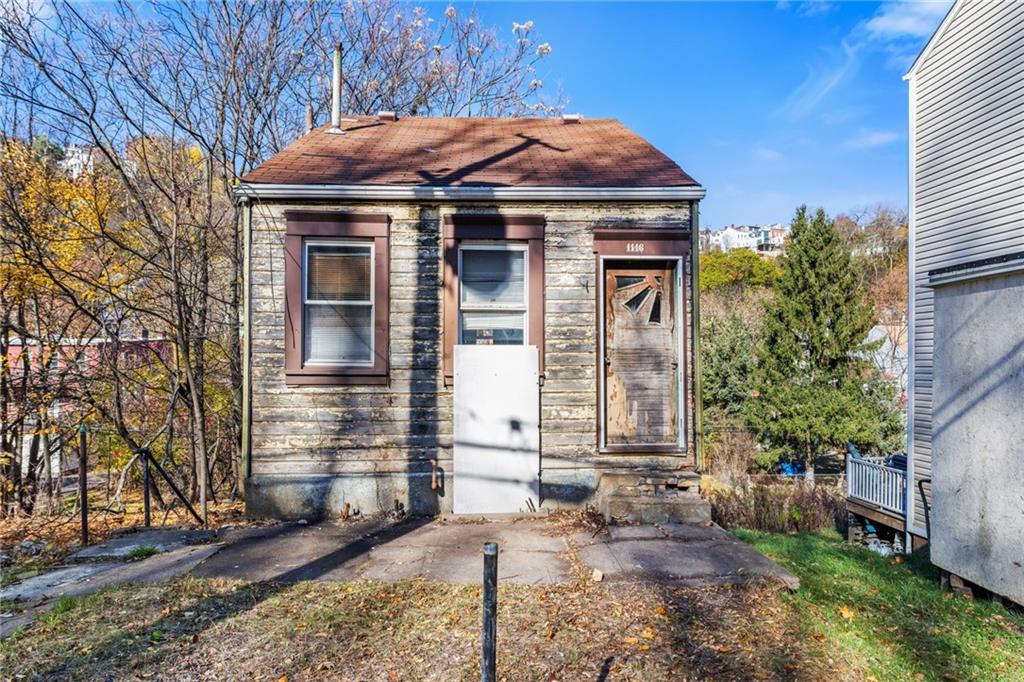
[[532, 552]]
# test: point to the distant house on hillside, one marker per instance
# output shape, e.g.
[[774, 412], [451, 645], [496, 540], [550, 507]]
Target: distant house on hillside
[[765, 239], [967, 296]]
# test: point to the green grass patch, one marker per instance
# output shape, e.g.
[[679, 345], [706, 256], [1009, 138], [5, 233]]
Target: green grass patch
[[889, 617], [142, 552], [63, 605]]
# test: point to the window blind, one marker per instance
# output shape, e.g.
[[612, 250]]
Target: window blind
[[338, 334], [338, 272], [493, 276]]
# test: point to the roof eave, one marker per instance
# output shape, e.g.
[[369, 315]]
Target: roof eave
[[250, 190], [922, 57]]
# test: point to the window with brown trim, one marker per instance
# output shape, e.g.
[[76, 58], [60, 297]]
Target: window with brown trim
[[336, 298], [493, 282]]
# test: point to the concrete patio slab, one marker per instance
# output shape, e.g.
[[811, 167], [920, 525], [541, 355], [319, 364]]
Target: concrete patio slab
[[160, 539], [532, 552], [40, 592], [686, 563]]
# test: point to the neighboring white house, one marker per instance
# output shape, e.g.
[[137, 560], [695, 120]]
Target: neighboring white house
[[733, 237], [79, 159], [765, 239], [967, 295]]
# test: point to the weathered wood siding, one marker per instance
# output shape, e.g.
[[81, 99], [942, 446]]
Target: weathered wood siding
[[967, 184], [399, 428]]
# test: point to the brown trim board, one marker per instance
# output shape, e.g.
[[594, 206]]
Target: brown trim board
[[493, 227], [302, 224], [622, 244]]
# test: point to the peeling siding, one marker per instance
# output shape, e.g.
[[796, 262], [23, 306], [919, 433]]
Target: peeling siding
[[399, 428], [967, 184]]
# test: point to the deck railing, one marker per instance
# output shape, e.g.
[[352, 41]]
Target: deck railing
[[870, 481]]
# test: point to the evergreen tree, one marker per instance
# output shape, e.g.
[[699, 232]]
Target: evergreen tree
[[814, 385], [727, 363]]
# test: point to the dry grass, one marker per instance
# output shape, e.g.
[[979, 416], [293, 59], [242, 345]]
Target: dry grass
[[857, 616], [778, 506], [61, 529], [414, 630]]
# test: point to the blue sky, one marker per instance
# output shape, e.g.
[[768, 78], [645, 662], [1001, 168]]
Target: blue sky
[[768, 104]]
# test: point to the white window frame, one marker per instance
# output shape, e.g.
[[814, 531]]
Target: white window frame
[[524, 308], [363, 243]]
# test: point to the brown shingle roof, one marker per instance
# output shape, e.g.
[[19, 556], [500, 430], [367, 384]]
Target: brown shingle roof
[[495, 152]]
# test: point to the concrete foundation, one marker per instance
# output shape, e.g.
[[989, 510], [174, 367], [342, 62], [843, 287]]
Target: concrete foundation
[[672, 497], [321, 497]]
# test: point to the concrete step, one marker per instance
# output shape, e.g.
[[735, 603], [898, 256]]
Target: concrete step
[[633, 481], [682, 507]]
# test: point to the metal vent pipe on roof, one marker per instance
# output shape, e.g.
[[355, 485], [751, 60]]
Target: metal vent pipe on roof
[[336, 93], [309, 116]]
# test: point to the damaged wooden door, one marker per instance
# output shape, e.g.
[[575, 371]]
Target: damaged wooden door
[[641, 362]]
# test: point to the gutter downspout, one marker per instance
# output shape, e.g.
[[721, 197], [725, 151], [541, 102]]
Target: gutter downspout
[[246, 339], [698, 393]]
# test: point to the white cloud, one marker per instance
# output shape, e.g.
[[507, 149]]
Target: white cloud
[[807, 8], [869, 139], [897, 29], [768, 154], [898, 20], [821, 81]]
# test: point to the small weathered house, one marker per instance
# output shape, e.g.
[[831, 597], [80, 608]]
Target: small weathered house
[[966, 407], [485, 315]]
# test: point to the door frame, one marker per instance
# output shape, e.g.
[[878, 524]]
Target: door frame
[[679, 266]]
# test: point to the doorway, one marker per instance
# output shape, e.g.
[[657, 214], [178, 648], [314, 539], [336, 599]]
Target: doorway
[[642, 343]]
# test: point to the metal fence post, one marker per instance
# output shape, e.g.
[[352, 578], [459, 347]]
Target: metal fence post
[[490, 628], [83, 483]]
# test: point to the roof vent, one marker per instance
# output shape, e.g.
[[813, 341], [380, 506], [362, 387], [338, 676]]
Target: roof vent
[[387, 116], [336, 93], [572, 118]]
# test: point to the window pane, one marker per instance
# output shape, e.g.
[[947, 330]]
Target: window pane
[[338, 334], [337, 272], [485, 329], [491, 276]]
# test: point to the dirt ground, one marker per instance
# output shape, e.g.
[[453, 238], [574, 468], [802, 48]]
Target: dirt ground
[[195, 629]]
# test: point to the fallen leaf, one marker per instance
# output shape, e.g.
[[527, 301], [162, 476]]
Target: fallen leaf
[[647, 633], [631, 640], [846, 612]]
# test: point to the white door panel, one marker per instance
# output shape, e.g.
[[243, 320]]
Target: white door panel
[[497, 429]]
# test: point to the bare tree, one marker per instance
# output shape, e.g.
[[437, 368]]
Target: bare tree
[[180, 99]]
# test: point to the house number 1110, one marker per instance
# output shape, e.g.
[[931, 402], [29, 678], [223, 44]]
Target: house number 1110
[[634, 247]]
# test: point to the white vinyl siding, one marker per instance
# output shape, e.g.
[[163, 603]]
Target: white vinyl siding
[[967, 165]]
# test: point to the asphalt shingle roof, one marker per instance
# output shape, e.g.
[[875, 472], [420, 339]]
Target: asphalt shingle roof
[[480, 152]]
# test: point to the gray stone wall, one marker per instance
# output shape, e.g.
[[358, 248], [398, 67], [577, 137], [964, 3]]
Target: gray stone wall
[[315, 448]]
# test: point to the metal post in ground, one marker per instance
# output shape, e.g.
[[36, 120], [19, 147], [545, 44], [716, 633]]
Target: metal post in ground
[[83, 483], [490, 628], [145, 488]]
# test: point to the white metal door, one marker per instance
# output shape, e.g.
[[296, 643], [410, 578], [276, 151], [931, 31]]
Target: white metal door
[[497, 429]]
